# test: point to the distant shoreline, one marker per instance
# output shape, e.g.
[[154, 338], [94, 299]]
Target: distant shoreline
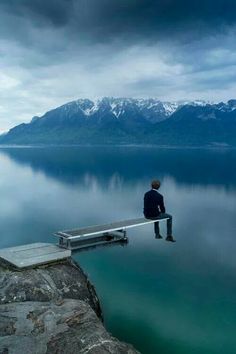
[[150, 146]]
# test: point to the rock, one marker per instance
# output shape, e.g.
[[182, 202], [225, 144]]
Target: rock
[[45, 283], [52, 309]]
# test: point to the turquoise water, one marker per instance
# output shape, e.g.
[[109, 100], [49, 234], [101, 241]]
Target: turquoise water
[[161, 297]]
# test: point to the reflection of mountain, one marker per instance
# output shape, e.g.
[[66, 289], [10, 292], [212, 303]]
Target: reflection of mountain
[[128, 121], [112, 165]]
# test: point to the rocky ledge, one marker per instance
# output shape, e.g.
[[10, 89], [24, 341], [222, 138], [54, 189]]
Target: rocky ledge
[[52, 309]]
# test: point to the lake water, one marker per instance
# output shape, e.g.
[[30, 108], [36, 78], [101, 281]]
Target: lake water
[[161, 297]]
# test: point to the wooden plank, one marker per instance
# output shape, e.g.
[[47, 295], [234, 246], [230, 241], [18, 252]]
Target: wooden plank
[[98, 229], [33, 254]]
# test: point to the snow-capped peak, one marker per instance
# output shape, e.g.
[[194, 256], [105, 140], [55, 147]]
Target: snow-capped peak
[[151, 109]]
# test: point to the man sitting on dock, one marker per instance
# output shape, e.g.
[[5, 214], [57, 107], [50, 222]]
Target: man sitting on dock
[[154, 209]]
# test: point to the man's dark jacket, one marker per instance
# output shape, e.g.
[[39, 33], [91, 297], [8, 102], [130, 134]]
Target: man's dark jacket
[[153, 204]]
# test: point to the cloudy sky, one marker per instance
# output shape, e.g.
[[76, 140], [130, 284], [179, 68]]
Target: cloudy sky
[[54, 51]]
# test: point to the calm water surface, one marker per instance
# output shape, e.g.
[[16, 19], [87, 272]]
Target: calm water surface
[[161, 297]]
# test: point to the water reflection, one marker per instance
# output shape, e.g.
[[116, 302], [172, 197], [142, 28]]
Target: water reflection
[[162, 297], [100, 246], [115, 165]]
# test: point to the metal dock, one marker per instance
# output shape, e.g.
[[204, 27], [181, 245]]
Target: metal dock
[[100, 234], [35, 254]]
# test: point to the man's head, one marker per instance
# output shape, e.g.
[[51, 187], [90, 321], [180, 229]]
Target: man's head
[[155, 184]]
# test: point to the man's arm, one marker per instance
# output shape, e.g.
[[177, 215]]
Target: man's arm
[[162, 206]]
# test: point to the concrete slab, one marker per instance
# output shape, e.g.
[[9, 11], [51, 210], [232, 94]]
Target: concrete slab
[[33, 254]]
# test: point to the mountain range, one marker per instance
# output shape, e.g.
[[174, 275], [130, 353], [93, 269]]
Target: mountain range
[[131, 121]]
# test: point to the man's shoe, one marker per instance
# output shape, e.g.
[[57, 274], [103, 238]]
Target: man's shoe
[[158, 236], [170, 238]]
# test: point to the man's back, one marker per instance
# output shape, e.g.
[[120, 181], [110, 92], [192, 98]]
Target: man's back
[[154, 208], [153, 204]]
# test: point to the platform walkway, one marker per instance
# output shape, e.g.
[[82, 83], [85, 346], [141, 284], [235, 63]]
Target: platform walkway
[[35, 254], [112, 232]]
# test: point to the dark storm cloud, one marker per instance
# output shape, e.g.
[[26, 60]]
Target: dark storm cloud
[[54, 51], [158, 19], [102, 20], [55, 12]]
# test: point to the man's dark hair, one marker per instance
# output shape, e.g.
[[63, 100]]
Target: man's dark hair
[[155, 184]]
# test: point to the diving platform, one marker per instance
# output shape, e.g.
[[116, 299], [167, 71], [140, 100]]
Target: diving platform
[[100, 234], [33, 254]]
